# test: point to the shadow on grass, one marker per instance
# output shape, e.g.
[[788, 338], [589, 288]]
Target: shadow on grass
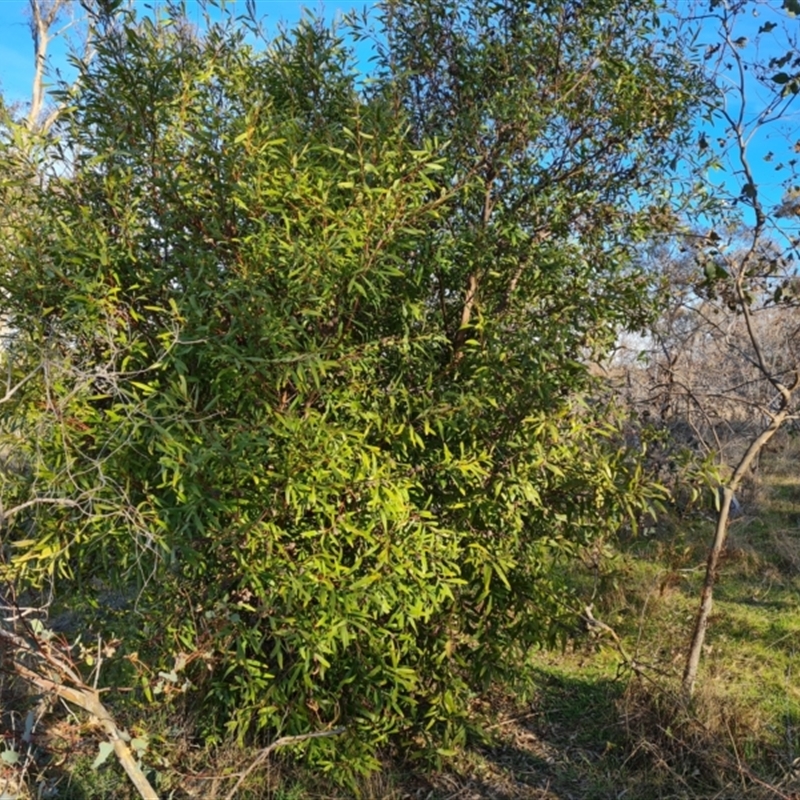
[[564, 745], [572, 742]]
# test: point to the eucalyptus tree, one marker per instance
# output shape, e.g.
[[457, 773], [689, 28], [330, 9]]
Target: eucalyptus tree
[[303, 357]]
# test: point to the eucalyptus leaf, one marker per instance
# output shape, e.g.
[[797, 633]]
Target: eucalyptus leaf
[[104, 750]]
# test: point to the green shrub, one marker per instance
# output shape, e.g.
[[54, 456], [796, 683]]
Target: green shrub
[[303, 359]]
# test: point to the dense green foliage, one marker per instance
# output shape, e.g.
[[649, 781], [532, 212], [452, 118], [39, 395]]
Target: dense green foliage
[[302, 360]]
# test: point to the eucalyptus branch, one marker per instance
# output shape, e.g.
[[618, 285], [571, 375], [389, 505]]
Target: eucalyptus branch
[[14, 389]]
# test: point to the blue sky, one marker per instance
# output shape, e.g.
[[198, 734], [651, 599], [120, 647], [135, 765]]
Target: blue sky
[[16, 49]]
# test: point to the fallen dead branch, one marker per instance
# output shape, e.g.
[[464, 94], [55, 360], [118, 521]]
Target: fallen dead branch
[[50, 672]]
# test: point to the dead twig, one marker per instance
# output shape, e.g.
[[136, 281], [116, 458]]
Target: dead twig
[[594, 624], [78, 694], [282, 742]]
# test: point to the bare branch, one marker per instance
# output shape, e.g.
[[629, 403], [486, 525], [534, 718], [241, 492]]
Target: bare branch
[[282, 742], [79, 694]]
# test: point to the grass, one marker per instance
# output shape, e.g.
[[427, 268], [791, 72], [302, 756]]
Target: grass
[[583, 723]]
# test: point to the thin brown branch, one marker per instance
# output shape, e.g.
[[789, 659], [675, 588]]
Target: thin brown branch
[[39, 501], [282, 742]]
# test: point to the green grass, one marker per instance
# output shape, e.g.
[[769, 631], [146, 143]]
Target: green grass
[[744, 718]]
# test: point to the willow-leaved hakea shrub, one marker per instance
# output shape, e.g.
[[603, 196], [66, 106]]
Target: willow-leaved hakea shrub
[[299, 359]]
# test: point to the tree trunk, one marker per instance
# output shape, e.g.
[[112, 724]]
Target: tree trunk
[[720, 537], [706, 597]]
